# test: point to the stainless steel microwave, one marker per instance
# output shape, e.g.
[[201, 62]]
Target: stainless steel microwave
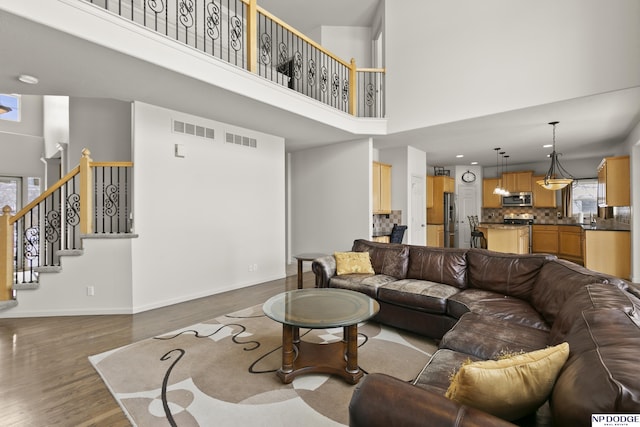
[[517, 199]]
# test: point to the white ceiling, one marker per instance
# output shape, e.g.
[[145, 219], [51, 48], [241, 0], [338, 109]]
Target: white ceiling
[[589, 127]]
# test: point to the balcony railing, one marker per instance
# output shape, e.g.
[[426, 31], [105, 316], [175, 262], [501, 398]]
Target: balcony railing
[[94, 198], [245, 35]]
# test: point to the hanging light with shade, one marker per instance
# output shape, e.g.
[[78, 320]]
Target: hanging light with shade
[[557, 177], [499, 189], [5, 109], [505, 192]]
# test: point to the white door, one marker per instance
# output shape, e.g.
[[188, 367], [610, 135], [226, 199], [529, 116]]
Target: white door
[[418, 220], [467, 206]]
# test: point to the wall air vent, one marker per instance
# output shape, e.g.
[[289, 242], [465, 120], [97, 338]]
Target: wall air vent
[[241, 140], [193, 129]]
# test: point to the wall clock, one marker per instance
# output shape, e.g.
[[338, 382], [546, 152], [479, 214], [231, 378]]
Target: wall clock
[[468, 176]]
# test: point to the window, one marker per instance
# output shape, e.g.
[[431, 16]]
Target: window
[[13, 102], [585, 197]]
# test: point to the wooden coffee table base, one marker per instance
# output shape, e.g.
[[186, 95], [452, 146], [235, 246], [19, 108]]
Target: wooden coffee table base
[[338, 358]]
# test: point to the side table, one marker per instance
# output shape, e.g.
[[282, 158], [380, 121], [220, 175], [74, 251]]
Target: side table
[[305, 257]]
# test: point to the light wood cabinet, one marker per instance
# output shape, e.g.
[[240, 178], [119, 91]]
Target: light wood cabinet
[[570, 243], [614, 182], [544, 239], [506, 239], [381, 239], [429, 191], [435, 235], [490, 200], [381, 188], [608, 252], [516, 182], [542, 198], [441, 185]]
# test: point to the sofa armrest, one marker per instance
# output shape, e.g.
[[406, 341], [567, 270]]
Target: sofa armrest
[[324, 268], [381, 400]]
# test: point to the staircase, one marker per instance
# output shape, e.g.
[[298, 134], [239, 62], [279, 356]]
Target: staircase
[[92, 202]]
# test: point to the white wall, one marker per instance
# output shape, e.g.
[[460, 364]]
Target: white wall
[[206, 219], [101, 125], [56, 123], [331, 197], [405, 162], [105, 265], [633, 144], [554, 51], [348, 42]]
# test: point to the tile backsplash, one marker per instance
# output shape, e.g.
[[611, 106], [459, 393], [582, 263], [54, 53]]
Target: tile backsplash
[[384, 223], [621, 215]]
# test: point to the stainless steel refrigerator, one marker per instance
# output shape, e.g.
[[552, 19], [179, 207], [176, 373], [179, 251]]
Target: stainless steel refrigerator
[[450, 220]]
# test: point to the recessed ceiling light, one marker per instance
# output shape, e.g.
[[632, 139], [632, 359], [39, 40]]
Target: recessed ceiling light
[[460, 156], [474, 163], [25, 78], [547, 146]]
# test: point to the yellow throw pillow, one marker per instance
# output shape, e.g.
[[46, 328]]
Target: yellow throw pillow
[[509, 388], [353, 262]]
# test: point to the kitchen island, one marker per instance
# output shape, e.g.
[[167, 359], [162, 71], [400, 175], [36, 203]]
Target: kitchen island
[[506, 237]]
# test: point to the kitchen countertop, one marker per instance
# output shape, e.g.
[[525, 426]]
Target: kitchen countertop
[[586, 227], [501, 226]]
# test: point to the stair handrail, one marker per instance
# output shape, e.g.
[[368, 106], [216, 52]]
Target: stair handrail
[[86, 215]]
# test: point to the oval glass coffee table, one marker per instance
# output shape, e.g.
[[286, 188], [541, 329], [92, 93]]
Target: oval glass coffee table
[[320, 308]]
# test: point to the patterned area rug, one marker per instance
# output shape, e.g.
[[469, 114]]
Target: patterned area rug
[[222, 373]]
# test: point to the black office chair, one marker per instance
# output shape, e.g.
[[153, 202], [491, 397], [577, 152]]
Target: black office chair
[[397, 233], [477, 237]]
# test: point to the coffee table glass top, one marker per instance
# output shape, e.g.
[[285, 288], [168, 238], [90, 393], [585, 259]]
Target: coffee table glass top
[[320, 308]]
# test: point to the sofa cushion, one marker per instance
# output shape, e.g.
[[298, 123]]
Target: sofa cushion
[[386, 258], [353, 263], [589, 297], [368, 284], [488, 337], [601, 375], [560, 279], [417, 294], [436, 375], [509, 388], [460, 303], [507, 274], [489, 303], [448, 266]]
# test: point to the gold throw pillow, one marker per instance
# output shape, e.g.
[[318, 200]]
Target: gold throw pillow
[[509, 388], [353, 263]]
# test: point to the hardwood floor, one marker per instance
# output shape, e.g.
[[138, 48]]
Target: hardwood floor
[[45, 375]]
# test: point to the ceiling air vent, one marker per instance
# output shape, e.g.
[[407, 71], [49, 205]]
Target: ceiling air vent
[[193, 129], [241, 140]]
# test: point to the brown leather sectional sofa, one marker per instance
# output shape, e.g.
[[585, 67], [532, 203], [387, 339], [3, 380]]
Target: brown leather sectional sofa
[[479, 304]]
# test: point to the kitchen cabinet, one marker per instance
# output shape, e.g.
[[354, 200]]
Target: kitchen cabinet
[[490, 200], [381, 188], [429, 191], [570, 243], [614, 182], [544, 239], [435, 235], [608, 252], [441, 185], [381, 239], [508, 238], [564, 241], [516, 182], [542, 198]]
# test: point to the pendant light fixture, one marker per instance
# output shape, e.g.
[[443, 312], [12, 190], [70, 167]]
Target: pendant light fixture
[[505, 192], [555, 179], [498, 189]]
